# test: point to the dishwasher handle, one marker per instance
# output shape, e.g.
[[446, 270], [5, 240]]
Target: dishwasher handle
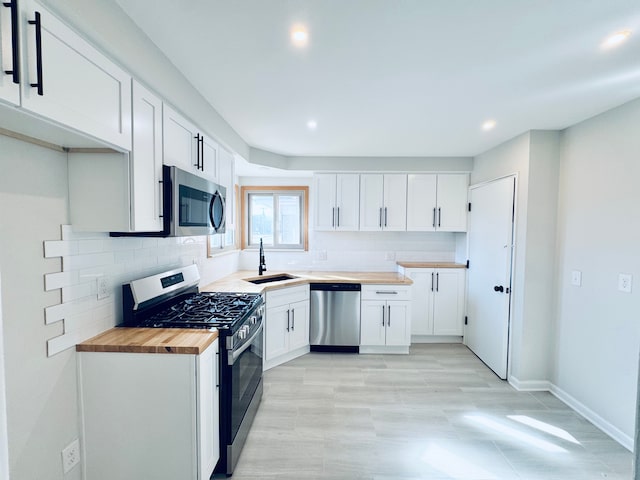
[[336, 287]]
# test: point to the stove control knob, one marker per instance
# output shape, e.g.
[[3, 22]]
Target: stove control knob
[[254, 320], [242, 334]]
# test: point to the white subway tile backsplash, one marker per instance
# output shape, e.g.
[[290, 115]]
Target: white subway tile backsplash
[[87, 256], [54, 281]]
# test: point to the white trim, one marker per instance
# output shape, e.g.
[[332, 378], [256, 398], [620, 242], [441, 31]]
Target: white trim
[[385, 349], [287, 357], [436, 339], [4, 434], [545, 386], [614, 432], [529, 385]]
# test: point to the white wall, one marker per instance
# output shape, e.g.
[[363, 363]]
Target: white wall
[[598, 331], [4, 437]]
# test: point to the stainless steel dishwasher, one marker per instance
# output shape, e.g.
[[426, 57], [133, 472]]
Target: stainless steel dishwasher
[[335, 317]]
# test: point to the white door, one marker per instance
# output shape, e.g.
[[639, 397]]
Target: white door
[[276, 334], [209, 159], [372, 324], [76, 85], [299, 324], [347, 201], [324, 185], [398, 323], [179, 143], [395, 202], [4, 436], [421, 300], [452, 202], [490, 237], [9, 59], [448, 310], [371, 198], [421, 202], [146, 167]]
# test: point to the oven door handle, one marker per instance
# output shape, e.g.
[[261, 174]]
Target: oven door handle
[[234, 356]]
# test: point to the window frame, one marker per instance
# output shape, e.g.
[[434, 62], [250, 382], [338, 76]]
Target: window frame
[[275, 190]]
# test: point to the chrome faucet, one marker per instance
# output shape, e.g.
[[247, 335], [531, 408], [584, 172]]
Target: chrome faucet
[[262, 267]]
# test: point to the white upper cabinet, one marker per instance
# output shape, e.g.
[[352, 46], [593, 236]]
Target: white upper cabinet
[[146, 164], [9, 53], [187, 147], [226, 178], [337, 198], [437, 202], [67, 80], [383, 202]]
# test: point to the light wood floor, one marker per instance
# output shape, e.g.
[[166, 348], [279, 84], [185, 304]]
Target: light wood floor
[[438, 413]]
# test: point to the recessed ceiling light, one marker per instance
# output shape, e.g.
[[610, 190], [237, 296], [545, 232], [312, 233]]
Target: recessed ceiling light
[[299, 36], [616, 39], [488, 125], [312, 124]]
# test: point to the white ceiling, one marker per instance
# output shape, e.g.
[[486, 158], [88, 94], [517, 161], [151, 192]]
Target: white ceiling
[[398, 77]]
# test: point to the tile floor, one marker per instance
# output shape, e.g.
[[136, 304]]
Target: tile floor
[[438, 413]]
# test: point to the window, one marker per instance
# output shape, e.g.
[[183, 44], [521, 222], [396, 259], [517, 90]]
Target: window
[[277, 215]]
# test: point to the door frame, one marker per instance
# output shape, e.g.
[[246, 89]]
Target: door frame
[[514, 265]]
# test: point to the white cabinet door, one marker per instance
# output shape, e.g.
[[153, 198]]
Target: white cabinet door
[[298, 324], [371, 202], [421, 202], [324, 186], [76, 85], [398, 324], [347, 201], [422, 300], [395, 202], [180, 146], [448, 305], [226, 178], [277, 328], [373, 322], [208, 421], [9, 53], [146, 163], [452, 202], [209, 159]]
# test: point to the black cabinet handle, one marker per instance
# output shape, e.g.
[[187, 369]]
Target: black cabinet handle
[[293, 319], [38, 24], [15, 57], [385, 216], [338, 221], [389, 316], [498, 288], [383, 315], [439, 216], [432, 279], [437, 282], [288, 318], [202, 153], [434, 217], [198, 138], [333, 217], [380, 218]]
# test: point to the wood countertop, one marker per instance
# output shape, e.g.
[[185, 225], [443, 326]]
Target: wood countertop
[[150, 340], [431, 265], [238, 282]]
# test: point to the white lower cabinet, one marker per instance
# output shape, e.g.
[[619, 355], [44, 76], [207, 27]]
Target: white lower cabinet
[[287, 325], [438, 296], [385, 319], [149, 415]]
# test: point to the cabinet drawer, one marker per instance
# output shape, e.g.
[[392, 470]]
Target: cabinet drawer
[[386, 292], [284, 296]]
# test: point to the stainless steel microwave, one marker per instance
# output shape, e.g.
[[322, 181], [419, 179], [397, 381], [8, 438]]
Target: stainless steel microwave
[[192, 205]]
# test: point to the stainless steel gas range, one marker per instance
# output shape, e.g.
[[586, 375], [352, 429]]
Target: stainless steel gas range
[[172, 300]]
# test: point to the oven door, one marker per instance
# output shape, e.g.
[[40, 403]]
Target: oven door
[[245, 364]]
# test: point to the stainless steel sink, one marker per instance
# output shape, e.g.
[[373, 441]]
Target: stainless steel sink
[[271, 278]]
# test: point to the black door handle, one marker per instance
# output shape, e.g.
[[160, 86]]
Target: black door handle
[[498, 288], [15, 68]]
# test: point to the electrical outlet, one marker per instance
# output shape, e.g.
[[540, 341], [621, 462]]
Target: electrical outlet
[[103, 288], [71, 456], [576, 278], [624, 282]]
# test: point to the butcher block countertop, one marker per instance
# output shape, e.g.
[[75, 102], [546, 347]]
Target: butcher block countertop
[[237, 282], [431, 265], [150, 340]]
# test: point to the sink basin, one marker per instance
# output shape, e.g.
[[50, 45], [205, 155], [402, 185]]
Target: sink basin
[[272, 278]]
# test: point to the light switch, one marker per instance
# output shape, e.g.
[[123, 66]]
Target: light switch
[[576, 278]]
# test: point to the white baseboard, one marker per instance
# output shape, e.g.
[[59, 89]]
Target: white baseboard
[[529, 385], [545, 386], [385, 349], [435, 339], [614, 432]]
